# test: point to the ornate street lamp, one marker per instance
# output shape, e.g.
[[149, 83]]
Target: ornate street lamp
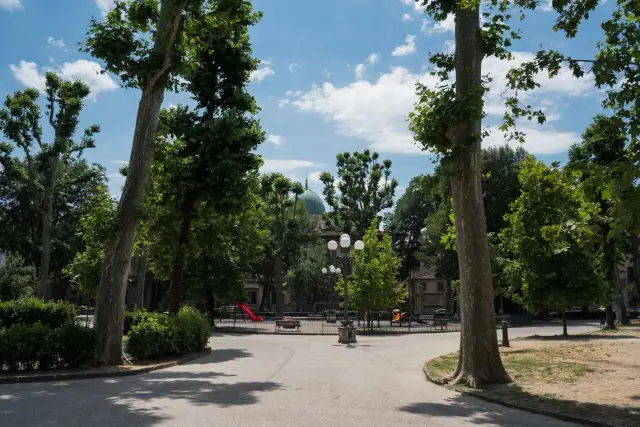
[[347, 333]]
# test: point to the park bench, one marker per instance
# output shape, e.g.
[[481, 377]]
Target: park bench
[[439, 321], [288, 324]]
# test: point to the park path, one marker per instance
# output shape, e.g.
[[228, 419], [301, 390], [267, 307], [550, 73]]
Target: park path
[[274, 380]]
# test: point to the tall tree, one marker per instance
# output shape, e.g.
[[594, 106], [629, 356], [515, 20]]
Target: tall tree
[[304, 280], [408, 220], [551, 239], [20, 122], [17, 279], [447, 120], [374, 286], [290, 226], [149, 45], [363, 189], [603, 164]]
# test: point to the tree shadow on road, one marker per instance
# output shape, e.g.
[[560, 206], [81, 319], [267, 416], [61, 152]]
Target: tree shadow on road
[[578, 338], [135, 401]]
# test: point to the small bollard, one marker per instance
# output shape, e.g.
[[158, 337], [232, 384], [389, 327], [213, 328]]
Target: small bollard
[[505, 333]]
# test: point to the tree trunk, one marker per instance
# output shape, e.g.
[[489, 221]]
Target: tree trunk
[[180, 258], [44, 285], [564, 323], [211, 307], [479, 356], [141, 274], [263, 299], [624, 316], [635, 253], [278, 280], [609, 259], [113, 279]]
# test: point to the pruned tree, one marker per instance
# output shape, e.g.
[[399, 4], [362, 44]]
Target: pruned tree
[[20, 123], [150, 46], [362, 188]]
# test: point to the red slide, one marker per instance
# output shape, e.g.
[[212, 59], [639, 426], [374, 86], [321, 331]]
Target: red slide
[[252, 316]]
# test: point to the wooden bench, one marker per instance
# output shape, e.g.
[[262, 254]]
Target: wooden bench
[[288, 324], [442, 322]]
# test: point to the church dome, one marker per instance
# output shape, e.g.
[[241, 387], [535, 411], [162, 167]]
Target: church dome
[[313, 203]]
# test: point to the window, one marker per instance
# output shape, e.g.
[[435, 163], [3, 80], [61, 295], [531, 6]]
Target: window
[[252, 297], [440, 286], [272, 297]]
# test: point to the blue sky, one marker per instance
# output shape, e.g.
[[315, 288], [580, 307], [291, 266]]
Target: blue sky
[[337, 75]]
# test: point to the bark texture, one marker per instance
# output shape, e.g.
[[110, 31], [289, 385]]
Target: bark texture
[[115, 270], [564, 323], [44, 284], [278, 285], [141, 274], [635, 253], [479, 353]]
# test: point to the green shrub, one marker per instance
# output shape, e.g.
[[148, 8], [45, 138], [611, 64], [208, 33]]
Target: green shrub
[[135, 316], [75, 344], [155, 336], [27, 346], [193, 330], [28, 311]]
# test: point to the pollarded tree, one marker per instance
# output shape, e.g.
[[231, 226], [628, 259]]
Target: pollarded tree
[[20, 122], [551, 239], [363, 189], [150, 45], [374, 286]]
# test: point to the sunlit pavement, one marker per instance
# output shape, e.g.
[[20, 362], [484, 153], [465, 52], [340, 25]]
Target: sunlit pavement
[[275, 380]]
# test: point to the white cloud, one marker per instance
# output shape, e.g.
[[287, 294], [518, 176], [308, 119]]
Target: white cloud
[[28, 74], [417, 6], [373, 58], [546, 6], [105, 6], [406, 17], [52, 59], [283, 102], [260, 74], [449, 46], [57, 43], [440, 27], [359, 71], [276, 165], [275, 139], [293, 65], [406, 49], [120, 162], [171, 106], [314, 177], [376, 111], [266, 61], [10, 4], [538, 140]]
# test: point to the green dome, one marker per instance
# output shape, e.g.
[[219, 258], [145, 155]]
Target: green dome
[[313, 203]]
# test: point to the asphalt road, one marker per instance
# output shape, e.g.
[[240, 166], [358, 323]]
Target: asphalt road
[[274, 380]]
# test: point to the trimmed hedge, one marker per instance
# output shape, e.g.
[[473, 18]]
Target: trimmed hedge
[[135, 316], [158, 334], [29, 311], [30, 346]]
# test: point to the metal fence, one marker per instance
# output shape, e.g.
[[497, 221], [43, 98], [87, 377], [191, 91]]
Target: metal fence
[[319, 325]]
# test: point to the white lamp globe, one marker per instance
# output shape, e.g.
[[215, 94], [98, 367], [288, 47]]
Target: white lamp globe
[[332, 269], [338, 270], [345, 241], [324, 271], [332, 245], [359, 245]]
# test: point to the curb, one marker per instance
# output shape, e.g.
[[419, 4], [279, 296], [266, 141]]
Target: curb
[[551, 414], [363, 333], [21, 379]]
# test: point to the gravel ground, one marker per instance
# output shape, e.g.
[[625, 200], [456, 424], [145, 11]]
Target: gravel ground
[[275, 380]]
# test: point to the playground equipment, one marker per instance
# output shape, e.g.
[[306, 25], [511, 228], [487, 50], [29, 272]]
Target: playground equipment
[[252, 316]]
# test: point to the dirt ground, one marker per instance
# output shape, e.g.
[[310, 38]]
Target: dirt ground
[[594, 376]]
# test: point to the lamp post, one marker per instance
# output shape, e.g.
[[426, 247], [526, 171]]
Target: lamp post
[[347, 332]]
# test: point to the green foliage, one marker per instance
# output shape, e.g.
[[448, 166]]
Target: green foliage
[[305, 280], [550, 241], [133, 317], [28, 311], [417, 205], [17, 279], [75, 345], [193, 330], [364, 188], [158, 334], [374, 285], [94, 230], [29, 346]]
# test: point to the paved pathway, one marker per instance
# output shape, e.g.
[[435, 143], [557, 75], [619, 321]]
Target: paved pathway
[[274, 380]]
